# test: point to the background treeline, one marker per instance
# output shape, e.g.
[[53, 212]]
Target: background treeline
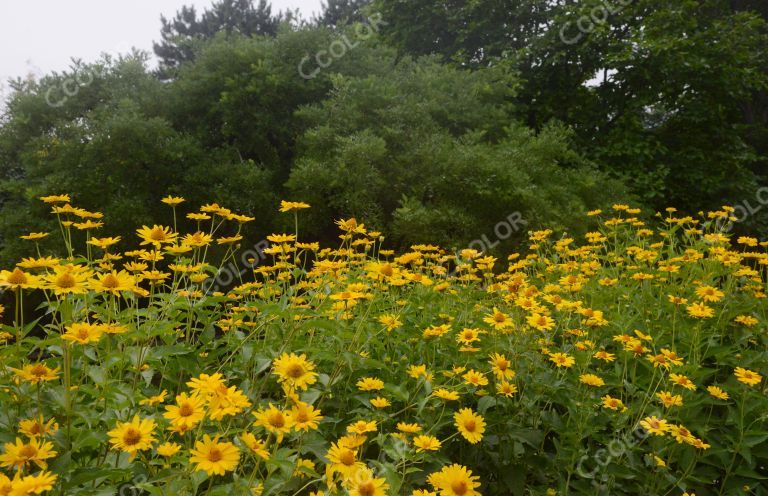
[[433, 121]]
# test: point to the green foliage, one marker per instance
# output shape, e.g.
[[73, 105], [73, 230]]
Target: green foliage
[[669, 95], [426, 152], [180, 34], [110, 146], [336, 13]]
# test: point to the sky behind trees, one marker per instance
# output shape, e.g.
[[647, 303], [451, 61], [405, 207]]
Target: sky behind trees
[[39, 36]]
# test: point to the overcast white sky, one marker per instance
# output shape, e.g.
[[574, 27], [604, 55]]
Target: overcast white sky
[[39, 36]]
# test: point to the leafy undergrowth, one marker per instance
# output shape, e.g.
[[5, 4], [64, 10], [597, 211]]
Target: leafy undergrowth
[[628, 363]]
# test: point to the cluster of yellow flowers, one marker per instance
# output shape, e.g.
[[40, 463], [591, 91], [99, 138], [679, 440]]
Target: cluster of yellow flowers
[[383, 368]]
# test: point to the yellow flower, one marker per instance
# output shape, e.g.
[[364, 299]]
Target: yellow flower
[[669, 399], [681, 434], [501, 367], [362, 426], [55, 199], [709, 293], [281, 238], [29, 484], [475, 378], [700, 310], [470, 425], [207, 384], [411, 428], [36, 372], [380, 402], [104, 243], [38, 427], [416, 371], [562, 360], [214, 457], [17, 278], [683, 381], [717, 392], [540, 322], [748, 377], [20, 455], [604, 356], [455, 480], [254, 444], [445, 394], [498, 320], [154, 400], [468, 336], [363, 483], [227, 401], [39, 263], [343, 460], [746, 320], [655, 426], [295, 371], [187, 412], [591, 380], [172, 200], [134, 436], [113, 282], [274, 420], [426, 443], [156, 235], [612, 403], [390, 322], [302, 467], [67, 279], [504, 388], [305, 417], [370, 384], [168, 449], [287, 206], [83, 333]]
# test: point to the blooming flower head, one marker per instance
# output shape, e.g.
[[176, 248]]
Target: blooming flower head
[[562, 360], [717, 392], [20, 454], [455, 480], [426, 443], [591, 380], [274, 420], [747, 377], [156, 235], [187, 412], [612, 403], [36, 372], [213, 456], [287, 206], [83, 333], [305, 417], [470, 425], [134, 436], [295, 370], [370, 384], [364, 483]]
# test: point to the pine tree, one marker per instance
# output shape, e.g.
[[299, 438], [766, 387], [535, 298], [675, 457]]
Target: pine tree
[[230, 16], [340, 12]]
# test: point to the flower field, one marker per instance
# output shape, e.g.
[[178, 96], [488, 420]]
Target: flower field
[[628, 362]]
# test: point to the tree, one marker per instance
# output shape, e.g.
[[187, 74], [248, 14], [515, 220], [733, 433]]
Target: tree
[[671, 94], [428, 153], [112, 148], [341, 12], [180, 34]]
